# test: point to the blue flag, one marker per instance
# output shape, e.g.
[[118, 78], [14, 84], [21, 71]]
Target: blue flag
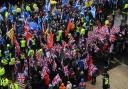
[[3, 9], [64, 2], [93, 11]]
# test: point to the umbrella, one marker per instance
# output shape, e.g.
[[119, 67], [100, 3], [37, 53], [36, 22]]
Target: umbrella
[[33, 26]]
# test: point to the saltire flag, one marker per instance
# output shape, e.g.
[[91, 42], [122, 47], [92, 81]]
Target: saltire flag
[[21, 78], [54, 66], [47, 6], [50, 41], [93, 11], [56, 80], [11, 35], [64, 2], [77, 3]]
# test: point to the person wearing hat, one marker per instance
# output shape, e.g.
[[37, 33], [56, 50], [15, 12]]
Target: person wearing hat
[[62, 86]]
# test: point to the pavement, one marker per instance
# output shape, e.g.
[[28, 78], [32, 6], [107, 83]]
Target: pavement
[[118, 78]]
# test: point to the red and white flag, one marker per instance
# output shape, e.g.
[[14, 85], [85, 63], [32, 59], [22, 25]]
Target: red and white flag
[[21, 78], [96, 48], [43, 73], [66, 71], [92, 69], [114, 30], [54, 66], [56, 80]]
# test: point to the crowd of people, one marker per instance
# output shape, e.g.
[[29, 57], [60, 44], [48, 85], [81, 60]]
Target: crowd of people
[[54, 44]]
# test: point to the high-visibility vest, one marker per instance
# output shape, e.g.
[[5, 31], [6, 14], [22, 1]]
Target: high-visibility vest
[[40, 52], [106, 81], [1, 81], [5, 82], [82, 32], [22, 56], [2, 71], [12, 61], [4, 61], [14, 86], [31, 53], [33, 42], [23, 43]]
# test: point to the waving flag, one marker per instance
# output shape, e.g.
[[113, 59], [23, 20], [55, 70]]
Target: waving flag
[[88, 3], [11, 35], [43, 73], [56, 80], [17, 47], [114, 30], [71, 40], [21, 78], [64, 2], [31, 62], [92, 69], [70, 26], [54, 66], [50, 40], [66, 71], [93, 11]]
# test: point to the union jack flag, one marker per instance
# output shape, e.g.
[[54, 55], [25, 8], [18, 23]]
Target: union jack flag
[[92, 69], [115, 30], [31, 62], [54, 66], [43, 72], [56, 80], [65, 69], [21, 78], [96, 48]]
